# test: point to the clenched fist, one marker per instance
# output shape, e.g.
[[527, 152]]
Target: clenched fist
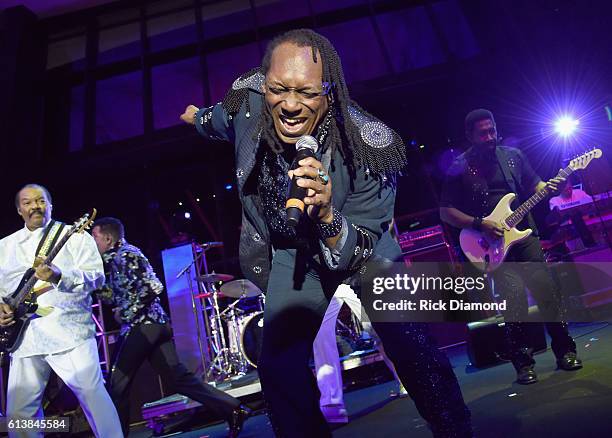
[[46, 271], [189, 115]]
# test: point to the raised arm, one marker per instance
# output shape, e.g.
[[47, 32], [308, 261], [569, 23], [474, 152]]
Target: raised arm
[[211, 122]]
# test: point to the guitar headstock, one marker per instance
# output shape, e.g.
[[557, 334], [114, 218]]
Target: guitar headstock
[[85, 221], [583, 160]]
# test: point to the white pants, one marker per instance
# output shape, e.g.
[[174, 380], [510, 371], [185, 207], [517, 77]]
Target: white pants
[[325, 349], [79, 368]]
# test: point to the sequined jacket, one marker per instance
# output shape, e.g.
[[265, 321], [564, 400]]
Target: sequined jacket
[[131, 286], [365, 203]]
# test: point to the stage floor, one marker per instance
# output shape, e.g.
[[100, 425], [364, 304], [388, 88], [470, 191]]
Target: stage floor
[[562, 404]]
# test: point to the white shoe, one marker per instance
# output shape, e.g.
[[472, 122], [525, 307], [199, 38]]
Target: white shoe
[[335, 413]]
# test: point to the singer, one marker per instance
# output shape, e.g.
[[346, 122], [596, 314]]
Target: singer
[[349, 198]]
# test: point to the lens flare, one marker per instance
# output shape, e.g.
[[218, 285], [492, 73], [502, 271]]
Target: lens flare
[[566, 126]]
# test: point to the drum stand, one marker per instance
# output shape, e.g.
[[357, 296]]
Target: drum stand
[[221, 340], [237, 362], [213, 349], [220, 364]]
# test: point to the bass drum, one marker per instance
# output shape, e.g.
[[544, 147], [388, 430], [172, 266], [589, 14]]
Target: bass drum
[[252, 334]]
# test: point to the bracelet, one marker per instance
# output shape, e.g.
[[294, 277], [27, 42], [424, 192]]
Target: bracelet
[[477, 223], [327, 231]]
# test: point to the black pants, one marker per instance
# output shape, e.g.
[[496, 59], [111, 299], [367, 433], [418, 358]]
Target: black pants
[[154, 342], [525, 267], [293, 315]]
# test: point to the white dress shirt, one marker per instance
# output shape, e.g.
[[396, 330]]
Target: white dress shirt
[[70, 323]]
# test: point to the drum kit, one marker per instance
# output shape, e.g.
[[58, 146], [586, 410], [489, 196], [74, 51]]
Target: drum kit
[[235, 331], [232, 315]]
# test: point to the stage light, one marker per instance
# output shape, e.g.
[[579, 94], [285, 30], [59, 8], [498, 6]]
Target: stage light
[[187, 215], [197, 199], [180, 204], [228, 187], [566, 126]]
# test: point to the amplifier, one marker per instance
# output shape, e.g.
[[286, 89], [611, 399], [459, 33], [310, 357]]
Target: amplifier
[[438, 253], [423, 239]]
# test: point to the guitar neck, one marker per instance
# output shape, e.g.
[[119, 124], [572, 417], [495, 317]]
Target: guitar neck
[[519, 214], [29, 285]]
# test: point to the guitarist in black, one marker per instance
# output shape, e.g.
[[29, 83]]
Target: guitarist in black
[[475, 183], [61, 335]]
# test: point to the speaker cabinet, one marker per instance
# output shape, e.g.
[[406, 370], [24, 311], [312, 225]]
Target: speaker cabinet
[[487, 343]]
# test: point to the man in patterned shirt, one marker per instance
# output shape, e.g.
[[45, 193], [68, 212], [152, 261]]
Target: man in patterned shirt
[[134, 289]]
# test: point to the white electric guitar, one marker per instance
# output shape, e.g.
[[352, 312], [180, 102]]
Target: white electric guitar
[[488, 254]]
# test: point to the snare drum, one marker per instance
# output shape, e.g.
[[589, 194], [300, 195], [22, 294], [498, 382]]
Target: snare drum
[[251, 337]]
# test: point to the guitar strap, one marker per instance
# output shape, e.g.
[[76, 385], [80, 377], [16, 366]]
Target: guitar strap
[[49, 239], [512, 179], [52, 233]]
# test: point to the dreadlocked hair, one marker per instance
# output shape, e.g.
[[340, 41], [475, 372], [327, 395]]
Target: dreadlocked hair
[[324, 52]]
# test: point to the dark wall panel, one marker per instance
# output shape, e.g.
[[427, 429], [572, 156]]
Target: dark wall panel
[[174, 86], [410, 38], [119, 112], [358, 47], [225, 66]]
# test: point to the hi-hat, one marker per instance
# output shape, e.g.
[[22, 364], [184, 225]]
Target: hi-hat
[[214, 278], [240, 289]]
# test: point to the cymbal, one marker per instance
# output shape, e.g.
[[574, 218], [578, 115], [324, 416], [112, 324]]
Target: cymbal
[[214, 278], [240, 289]]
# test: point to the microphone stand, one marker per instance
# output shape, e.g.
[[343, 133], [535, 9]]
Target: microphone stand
[[187, 268]]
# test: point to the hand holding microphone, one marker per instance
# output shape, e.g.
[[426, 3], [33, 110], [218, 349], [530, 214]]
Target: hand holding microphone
[[310, 185]]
